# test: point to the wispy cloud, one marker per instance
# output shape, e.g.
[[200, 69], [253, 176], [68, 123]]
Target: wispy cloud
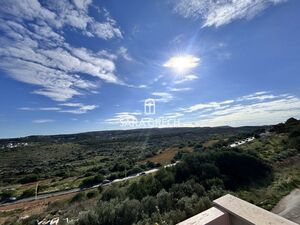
[[70, 104], [162, 96], [210, 105], [43, 121], [173, 115], [78, 108], [263, 95], [217, 13], [255, 109], [123, 52], [58, 14], [179, 89], [74, 108], [186, 78], [38, 54], [40, 109]]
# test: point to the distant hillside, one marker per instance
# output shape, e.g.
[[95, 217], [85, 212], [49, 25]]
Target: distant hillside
[[133, 133], [74, 155]]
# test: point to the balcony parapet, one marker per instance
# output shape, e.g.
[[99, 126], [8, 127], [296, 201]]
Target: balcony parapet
[[230, 210]]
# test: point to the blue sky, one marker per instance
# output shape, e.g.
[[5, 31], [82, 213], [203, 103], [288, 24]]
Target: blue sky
[[83, 65]]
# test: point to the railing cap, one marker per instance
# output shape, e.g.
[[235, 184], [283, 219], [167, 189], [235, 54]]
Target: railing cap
[[249, 212]]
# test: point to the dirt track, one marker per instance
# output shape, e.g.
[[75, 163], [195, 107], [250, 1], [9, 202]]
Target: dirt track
[[289, 206], [32, 207]]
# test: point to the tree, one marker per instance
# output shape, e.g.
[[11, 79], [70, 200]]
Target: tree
[[164, 200], [112, 193], [149, 205], [166, 178], [129, 212], [240, 169], [28, 193]]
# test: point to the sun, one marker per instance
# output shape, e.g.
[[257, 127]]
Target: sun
[[182, 63]]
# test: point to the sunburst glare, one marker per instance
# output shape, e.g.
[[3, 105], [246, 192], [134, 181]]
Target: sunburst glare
[[182, 63]]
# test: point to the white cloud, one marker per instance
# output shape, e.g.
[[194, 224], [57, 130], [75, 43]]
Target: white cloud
[[82, 4], [186, 78], [37, 54], [217, 13], [210, 105], [260, 113], [173, 115], [70, 104], [256, 109], [142, 86], [43, 121], [179, 89], [49, 108], [74, 108], [27, 109], [162, 96], [40, 109], [79, 108], [105, 30], [263, 95], [123, 52]]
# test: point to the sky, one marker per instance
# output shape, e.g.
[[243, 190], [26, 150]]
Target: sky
[[72, 66]]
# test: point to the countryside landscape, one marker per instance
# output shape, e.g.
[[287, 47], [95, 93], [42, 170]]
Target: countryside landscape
[[153, 112], [261, 171]]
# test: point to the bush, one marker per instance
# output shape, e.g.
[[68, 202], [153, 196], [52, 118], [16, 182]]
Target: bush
[[113, 212], [78, 197], [88, 182], [28, 179], [92, 194], [149, 205], [166, 178], [134, 170], [28, 193], [241, 169], [164, 201], [111, 193]]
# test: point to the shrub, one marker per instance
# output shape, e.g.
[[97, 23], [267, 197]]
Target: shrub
[[241, 169], [28, 193], [28, 179], [78, 197], [111, 193], [149, 204], [88, 182], [164, 200], [92, 194]]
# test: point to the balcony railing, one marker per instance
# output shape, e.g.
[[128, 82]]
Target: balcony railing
[[230, 210]]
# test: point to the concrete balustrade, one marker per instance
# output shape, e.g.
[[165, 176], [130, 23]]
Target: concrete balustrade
[[230, 210]]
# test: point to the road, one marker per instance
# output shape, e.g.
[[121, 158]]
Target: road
[[74, 190]]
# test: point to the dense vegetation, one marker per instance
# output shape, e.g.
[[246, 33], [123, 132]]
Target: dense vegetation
[[260, 172], [68, 161], [174, 194]]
